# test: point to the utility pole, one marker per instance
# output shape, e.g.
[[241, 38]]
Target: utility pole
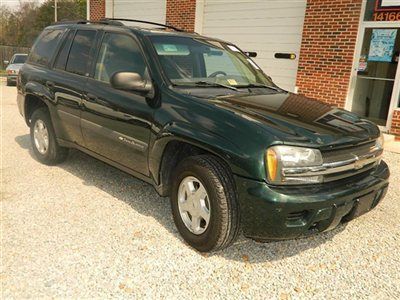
[[55, 10]]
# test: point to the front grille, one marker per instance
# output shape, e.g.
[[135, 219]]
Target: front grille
[[347, 153]]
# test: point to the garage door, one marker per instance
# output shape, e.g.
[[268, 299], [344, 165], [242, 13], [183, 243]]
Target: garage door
[[264, 26], [154, 10]]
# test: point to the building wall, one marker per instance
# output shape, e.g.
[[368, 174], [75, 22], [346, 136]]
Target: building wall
[[181, 13], [395, 129], [327, 49], [97, 9]]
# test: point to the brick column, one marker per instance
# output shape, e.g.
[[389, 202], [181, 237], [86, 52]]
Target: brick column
[[97, 9], [395, 128], [181, 13], [327, 49]]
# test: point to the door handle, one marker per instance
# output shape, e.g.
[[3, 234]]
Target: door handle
[[50, 84]]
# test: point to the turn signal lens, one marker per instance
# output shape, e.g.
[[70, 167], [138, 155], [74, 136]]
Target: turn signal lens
[[272, 163]]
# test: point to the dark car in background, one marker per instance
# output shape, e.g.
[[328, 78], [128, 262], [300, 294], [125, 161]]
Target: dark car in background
[[13, 67], [199, 120]]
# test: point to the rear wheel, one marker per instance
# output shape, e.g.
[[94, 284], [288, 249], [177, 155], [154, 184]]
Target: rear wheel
[[8, 82], [204, 203], [44, 140]]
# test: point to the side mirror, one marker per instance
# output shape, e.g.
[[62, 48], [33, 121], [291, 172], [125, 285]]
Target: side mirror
[[129, 81], [251, 54], [6, 62]]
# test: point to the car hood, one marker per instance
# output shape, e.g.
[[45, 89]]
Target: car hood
[[14, 66], [296, 119]]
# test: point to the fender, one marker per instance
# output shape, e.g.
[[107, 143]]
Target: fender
[[37, 90], [234, 155], [34, 88]]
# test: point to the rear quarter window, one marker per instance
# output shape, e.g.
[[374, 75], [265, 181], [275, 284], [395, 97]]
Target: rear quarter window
[[45, 46], [62, 56]]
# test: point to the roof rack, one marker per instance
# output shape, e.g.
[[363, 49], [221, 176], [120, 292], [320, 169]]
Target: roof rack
[[139, 21], [103, 21]]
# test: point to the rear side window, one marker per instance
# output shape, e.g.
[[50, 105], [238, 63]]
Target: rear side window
[[45, 46], [63, 54], [78, 58]]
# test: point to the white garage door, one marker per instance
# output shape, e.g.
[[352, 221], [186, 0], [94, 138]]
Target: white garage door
[[264, 26], [147, 10]]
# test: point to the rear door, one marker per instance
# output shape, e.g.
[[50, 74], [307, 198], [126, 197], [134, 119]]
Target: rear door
[[116, 124], [70, 71]]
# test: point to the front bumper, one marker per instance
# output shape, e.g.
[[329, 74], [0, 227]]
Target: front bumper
[[286, 212]]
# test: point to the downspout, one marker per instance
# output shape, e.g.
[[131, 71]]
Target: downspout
[[87, 9]]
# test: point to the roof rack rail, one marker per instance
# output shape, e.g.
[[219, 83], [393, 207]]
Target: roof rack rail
[[103, 21], [140, 21]]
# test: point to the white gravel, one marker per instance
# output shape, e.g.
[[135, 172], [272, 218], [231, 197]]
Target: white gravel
[[84, 229]]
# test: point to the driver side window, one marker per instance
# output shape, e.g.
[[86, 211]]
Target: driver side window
[[119, 53]]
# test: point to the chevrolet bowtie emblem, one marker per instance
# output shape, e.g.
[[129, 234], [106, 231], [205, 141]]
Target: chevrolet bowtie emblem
[[358, 164]]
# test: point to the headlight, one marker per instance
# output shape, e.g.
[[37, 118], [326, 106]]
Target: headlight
[[279, 158]]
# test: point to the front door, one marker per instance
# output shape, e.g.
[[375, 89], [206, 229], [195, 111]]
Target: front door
[[377, 74], [116, 124]]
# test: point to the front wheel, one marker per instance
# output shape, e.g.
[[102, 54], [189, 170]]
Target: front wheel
[[44, 140], [204, 203]]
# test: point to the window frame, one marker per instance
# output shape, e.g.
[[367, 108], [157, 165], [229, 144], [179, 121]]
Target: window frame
[[98, 48]]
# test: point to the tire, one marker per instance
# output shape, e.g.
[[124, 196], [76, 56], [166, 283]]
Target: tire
[[8, 83], [53, 154], [223, 225]]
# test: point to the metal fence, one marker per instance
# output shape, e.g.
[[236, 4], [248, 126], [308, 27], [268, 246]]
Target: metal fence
[[6, 52]]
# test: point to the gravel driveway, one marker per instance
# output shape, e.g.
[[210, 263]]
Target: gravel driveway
[[84, 229]]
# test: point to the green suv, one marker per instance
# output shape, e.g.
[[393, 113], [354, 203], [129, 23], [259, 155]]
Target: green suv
[[199, 120]]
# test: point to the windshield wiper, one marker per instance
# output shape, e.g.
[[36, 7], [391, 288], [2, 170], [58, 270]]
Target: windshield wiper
[[215, 84], [260, 85]]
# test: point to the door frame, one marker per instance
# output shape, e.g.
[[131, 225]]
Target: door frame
[[353, 78]]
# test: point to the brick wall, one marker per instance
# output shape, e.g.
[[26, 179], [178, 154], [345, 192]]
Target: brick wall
[[395, 129], [181, 13], [327, 49], [97, 9]]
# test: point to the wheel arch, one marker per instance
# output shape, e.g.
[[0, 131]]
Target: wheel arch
[[36, 95], [32, 102], [175, 143]]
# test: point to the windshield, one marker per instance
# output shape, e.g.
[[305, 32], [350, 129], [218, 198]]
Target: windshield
[[19, 59], [197, 61]]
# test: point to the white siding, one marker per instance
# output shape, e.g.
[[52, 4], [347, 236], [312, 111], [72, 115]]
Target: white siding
[[147, 10], [264, 26]]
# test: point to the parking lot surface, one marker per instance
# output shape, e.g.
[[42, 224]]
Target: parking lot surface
[[84, 229]]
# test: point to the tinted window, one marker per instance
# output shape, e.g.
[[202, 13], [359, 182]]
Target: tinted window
[[78, 58], [44, 48], [19, 59], [119, 53], [63, 54]]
